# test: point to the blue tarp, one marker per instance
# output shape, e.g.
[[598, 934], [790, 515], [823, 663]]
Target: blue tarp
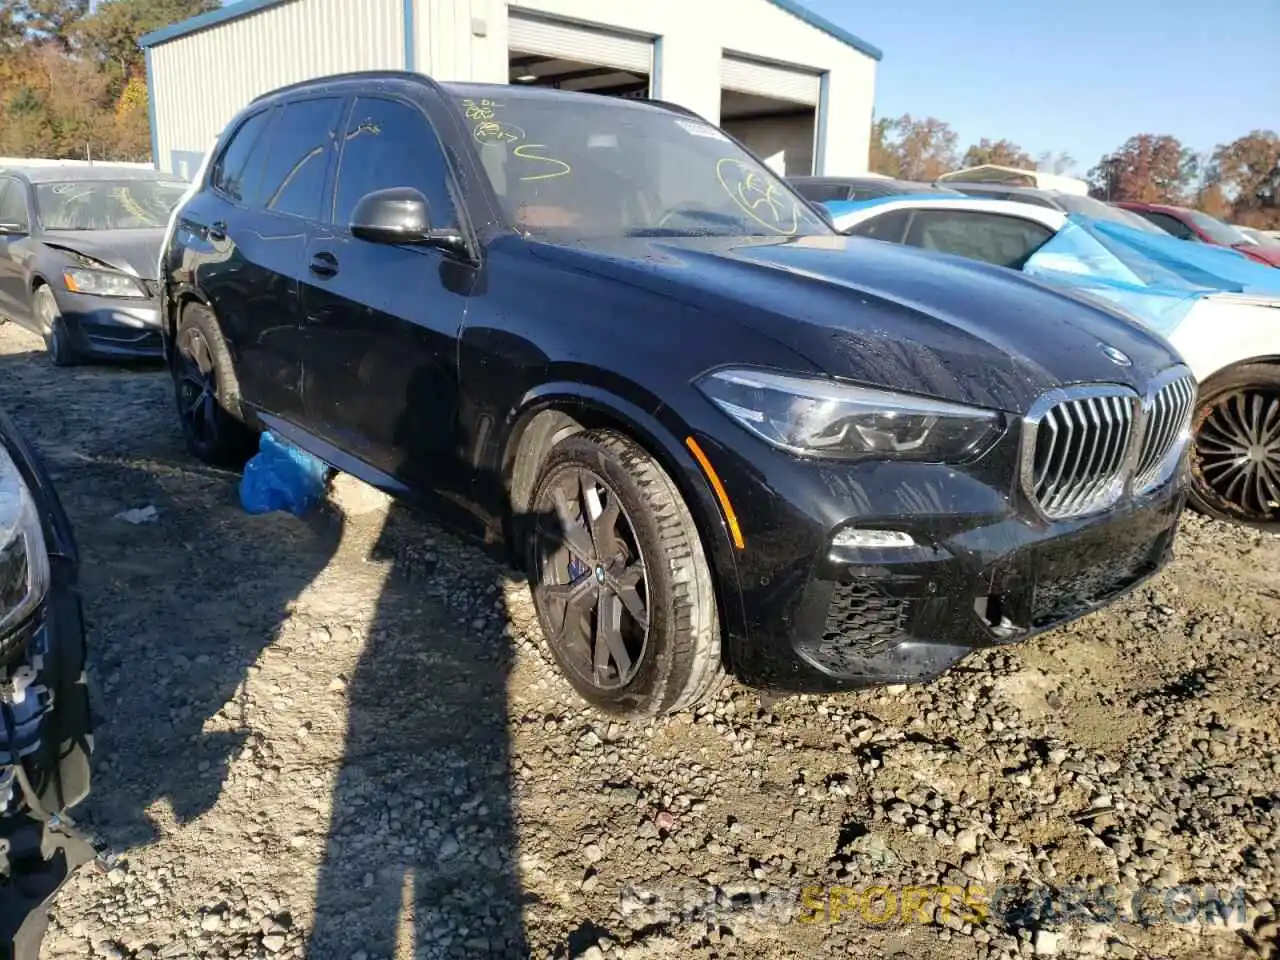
[[1200, 263], [1155, 277], [1152, 278]]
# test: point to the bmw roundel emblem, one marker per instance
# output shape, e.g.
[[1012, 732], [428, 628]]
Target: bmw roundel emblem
[[1118, 357]]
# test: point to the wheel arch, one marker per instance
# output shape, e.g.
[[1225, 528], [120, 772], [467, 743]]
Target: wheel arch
[[554, 411], [1264, 360], [173, 305]]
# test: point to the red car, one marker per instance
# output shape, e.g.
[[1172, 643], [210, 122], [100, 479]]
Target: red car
[[1194, 225]]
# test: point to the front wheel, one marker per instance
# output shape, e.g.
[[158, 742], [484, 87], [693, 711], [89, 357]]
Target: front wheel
[[1235, 464], [56, 338], [621, 584]]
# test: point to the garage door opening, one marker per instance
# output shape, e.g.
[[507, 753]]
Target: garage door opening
[[535, 70], [573, 56], [781, 133], [772, 109]]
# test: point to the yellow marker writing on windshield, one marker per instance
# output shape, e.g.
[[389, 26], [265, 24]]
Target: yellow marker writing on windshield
[[523, 153], [758, 197]]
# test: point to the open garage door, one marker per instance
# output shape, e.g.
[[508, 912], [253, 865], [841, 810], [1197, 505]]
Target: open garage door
[[769, 80], [773, 110], [561, 40]]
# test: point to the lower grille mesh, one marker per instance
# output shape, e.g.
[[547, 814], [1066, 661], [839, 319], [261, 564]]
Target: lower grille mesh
[[1064, 596], [862, 619]]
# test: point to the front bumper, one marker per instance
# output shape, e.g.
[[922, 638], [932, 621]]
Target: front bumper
[[982, 571], [111, 327], [45, 728]]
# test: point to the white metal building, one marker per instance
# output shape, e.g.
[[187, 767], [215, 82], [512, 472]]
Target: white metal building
[[794, 87]]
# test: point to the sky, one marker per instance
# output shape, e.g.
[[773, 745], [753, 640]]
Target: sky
[[1081, 76]]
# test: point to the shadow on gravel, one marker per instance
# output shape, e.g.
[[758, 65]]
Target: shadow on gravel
[[423, 844], [422, 837], [177, 608]]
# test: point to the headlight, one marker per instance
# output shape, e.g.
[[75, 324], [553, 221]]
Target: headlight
[[823, 418], [24, 561], [101, 283]]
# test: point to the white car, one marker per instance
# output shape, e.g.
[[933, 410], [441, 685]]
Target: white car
[[1231, 341]]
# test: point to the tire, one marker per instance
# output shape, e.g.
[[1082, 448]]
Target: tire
[[206, 394], [674, 658], [57, 339], [1234, 477]]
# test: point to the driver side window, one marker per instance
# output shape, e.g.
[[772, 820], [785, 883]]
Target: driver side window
[[1004, 241], [888, 226], [13, 204], [1170, 225], [390, 143]]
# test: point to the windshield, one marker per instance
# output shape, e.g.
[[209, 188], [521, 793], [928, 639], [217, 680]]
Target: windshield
[[1089, 207], [106, 204], [1216, 230], [578, 169]]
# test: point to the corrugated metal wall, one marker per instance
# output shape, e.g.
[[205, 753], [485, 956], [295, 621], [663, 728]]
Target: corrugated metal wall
[[200, 81], [461, 39]]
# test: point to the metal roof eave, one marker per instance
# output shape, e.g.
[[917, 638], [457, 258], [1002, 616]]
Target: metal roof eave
[[244, 8]]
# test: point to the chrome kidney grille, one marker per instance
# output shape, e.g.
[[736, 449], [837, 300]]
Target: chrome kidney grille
[[1084, 447], [1168, 426]]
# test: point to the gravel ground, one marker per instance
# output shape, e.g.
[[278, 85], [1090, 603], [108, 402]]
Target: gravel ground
[[336, 737]]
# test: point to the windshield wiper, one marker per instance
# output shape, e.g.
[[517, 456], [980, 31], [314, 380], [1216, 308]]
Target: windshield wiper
[[675, 232]]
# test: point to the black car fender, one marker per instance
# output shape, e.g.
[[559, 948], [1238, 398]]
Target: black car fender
[[553, 410]]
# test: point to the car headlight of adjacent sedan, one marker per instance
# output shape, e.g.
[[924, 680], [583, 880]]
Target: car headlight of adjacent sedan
[[103, 283], [24, 559], [815, 417]]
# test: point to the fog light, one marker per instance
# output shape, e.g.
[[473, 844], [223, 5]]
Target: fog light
[[871, 539]]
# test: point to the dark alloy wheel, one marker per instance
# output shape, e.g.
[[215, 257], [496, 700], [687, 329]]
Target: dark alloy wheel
[[202, 388], [620, 582], [1235, 465], [592, 582]]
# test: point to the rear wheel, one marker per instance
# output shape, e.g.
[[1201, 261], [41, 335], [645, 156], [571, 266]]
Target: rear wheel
[[205, 389], [56, 338], [1235, 465], [621, 585]]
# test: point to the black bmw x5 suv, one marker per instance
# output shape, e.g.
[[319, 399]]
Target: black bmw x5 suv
[[722, 437]]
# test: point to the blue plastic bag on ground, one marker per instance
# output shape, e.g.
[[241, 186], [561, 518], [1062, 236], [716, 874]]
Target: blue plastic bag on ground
[[282, 477]]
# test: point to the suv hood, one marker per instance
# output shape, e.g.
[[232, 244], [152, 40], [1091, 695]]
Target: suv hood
[[135, 252], [893, 316]]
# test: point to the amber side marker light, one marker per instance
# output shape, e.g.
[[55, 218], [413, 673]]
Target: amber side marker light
[[729, 515]]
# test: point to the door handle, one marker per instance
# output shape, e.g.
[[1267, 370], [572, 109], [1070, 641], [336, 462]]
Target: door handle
[[217, 230], [324, 265]]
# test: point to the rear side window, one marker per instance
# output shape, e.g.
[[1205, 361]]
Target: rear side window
[[888, 226], [819, 192], [235, 173], [1170, 224], [13, 204], [389, 143], [298, 160], [1004, 241]]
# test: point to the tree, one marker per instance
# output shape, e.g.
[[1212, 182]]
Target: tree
[[110, 34], [882, 159], [1002, 153], [45, 21], [912, 149], [1247, 169], [1147, 168], [1050, 162]]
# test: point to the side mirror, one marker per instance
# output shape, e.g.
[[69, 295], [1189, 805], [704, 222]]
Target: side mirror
[[394, 215]]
